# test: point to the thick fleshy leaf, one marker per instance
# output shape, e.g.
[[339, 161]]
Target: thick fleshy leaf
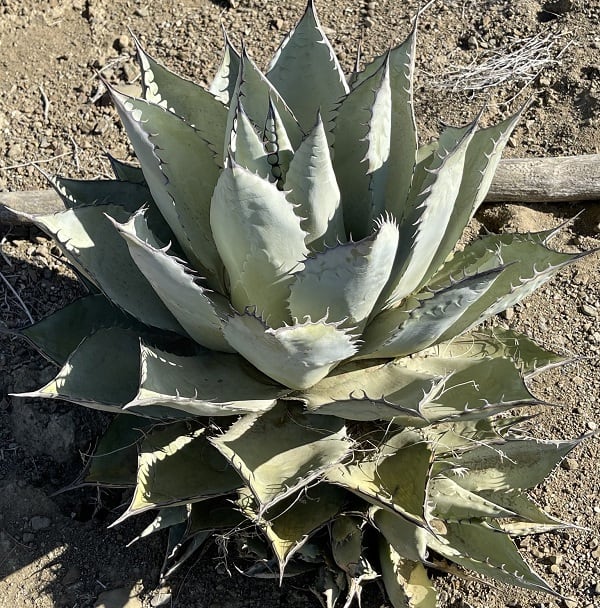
[[481, 161], [246, 147], [499, 342], [297, 356], [89, 241], [367, 391], [205, 384], [472, 389], [101, 373], [180, 549], [260, 240], [223, 84], [509, 465], [376, 480], [487, 550], [330, 583], [282, 451], [306, 61], [529, 264], [291, 522], [197, 106], [171, 516], [83, 193], [312, 186], [406, 582], [430, 214], [343, 284], [181, 173], [59, 334], [164, 477], [407, 538], [114, 460], [257, 93], [399, 332], [197, 309], [363, 141], [126, 172], [214, 514], [450, 501], [529, 518]]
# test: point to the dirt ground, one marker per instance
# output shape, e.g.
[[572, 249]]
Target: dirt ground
[[55, 549]]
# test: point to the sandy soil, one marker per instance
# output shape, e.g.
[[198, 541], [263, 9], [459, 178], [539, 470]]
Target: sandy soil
[[55, 549]]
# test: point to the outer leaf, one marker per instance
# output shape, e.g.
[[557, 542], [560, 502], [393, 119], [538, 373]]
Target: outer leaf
[[115, 457], [206, 384], [485, 549], [197, 106], [164, 476], [223, 84], [499, 342], [312, 185], [452, 502], [306, 52], [363, 138], [59, 334], [102, 373], [406, 582], [376, 480], [181, 173], [431, 214], [512, 464], [388, 391], [291, 522], [282, 451], [198, 310], [259, 238], [344, 283], [529, 265], [481, 161], [214, 514], [407, 539], [297, 356], [88, 239], [165, 518], [399, 332]]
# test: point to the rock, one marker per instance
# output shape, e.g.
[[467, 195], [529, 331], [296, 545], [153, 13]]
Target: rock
[[39, 522], [569, 464], [118, 598], [588, 310], [142, 11], [122, 43], [28, 537]]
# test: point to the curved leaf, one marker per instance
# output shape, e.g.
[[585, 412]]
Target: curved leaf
[[260, 240], [223, 84], [306, 59], [344, 283], [297, 356]]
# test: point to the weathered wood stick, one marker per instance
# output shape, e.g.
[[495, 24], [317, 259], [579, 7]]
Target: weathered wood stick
[[525, 180]]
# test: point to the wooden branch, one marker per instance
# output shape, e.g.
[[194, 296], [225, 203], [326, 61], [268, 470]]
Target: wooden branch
[[524, 180]]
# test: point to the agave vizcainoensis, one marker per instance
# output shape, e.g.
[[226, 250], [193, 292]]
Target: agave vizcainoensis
[[277, 317]]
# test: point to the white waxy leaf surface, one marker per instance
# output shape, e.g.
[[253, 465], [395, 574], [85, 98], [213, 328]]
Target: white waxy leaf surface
[[223, 83], [307, 73], [343, 283], [312, 185], [181, 173], [198, 309], [260, 241], [297, 356], [193, 103], [246, 145]]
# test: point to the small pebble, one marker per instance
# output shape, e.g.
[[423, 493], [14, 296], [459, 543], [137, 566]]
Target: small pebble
[[142, 11], [569, 464], [39, 522], [28, 537], [588, 310], [592, 425]]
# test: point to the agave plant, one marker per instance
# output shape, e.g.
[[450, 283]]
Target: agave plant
[[279, 317]]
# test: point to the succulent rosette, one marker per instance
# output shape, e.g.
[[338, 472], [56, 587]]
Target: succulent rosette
[[279, 317]]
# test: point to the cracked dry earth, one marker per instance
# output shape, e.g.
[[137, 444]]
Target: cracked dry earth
[[55, 549]]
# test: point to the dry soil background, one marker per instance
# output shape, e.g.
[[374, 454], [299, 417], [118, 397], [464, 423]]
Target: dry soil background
[[55, 549]]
